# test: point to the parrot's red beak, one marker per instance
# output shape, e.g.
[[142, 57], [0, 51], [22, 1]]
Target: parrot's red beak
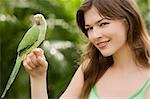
[[37, 21]]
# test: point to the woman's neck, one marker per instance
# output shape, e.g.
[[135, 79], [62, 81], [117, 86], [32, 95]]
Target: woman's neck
[[125, 64], [123, 59]]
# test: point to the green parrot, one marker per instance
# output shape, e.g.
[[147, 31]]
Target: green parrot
[[32, 39]]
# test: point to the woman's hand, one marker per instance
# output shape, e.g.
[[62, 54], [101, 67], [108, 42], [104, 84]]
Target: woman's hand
[[35, 63]]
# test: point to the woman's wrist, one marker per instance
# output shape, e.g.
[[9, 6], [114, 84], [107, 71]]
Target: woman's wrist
[[39, 87], [39, 77]]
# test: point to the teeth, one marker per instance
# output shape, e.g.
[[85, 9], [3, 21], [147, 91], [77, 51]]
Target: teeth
[[103, 44], [105, 41], [97, 43]]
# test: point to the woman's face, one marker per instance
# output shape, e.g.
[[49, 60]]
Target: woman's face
[[107, 35]]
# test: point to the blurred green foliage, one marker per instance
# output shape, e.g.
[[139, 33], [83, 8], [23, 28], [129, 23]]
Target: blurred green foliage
[[144, 6], [61, 46]]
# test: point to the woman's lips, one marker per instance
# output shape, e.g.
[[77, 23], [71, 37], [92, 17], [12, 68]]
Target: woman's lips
[[103, 44]]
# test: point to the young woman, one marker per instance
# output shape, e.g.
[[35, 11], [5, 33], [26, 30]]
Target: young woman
[[116, 63]]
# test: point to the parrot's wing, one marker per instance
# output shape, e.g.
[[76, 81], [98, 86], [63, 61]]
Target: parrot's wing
[[30, 37]]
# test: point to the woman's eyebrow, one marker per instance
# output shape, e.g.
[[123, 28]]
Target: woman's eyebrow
[[95, 22]]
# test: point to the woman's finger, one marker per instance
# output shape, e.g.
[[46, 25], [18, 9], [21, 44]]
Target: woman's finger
[[41, 61], [26, 66], [38, 52], [29, 61], [33, 59]]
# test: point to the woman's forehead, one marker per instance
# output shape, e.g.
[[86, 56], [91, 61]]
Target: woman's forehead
[[91, 15]]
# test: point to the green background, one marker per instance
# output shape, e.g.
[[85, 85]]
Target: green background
[[62, 45]]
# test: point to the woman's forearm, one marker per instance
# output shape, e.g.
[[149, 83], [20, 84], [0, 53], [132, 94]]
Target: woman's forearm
[[36, 65], [39, 88]]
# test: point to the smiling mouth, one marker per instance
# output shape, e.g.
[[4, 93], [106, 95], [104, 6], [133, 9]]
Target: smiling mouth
[[103, 44]]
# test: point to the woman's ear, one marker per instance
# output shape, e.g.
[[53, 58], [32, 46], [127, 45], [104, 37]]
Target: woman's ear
[[125, 20], [126, 24]]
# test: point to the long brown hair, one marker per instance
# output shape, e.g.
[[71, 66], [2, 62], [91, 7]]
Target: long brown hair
[[137, 38]]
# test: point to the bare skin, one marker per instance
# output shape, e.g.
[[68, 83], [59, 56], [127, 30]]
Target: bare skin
[[125, 77], [120, 81], [38, 79], [36, 65]]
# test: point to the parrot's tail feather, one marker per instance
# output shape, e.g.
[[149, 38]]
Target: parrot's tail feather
[[13, 75]]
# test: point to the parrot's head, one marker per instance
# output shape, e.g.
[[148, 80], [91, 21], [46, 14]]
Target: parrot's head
[[38, 19]]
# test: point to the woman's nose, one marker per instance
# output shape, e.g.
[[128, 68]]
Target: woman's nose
[[96, 32]]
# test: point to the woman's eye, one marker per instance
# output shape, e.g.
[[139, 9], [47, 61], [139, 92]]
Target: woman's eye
[[103, 24], [90, 28]]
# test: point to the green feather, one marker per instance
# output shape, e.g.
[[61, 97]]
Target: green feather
[[13, 75], [30, 37]]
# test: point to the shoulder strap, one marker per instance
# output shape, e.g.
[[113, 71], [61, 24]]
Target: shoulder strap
[[93, 93], [141, 93]]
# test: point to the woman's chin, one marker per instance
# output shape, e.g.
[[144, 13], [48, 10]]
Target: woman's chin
[[106, 54]]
